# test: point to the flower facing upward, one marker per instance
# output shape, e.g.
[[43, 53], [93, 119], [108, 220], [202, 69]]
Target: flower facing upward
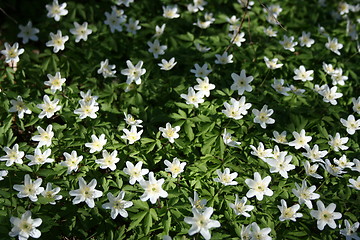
[[25, 226], [86, 193], [236, 109], [81, 32], [136, 172], [132, 26], [18, 106], [28, 32], [97, 144], [130, 120], [159, 30], [240, 207], [153, 189], [87, 109], [356, 105], [259, 234], [167, 65], [325, 215], [350, 230], [272, 64], [197, 203], [106, 69], [55, 82], [201, 222], [314, 154], [55, 10], [281, 164], [192, 97], [225, 58], [305, 39], [108, 160], [310, 170], [201, 72], [170, 11], [263, 116], [241, 82], [12, 155], [71, 161], [30, 189], [237, 38], [12, 53], [258, 187], [288, 43], [351, 124], [280, 137], [48, 107], [305, 194], [289, 213], [175, 167], [133, 135], [333, 45], [117, 205], [170, 132], [338, 142], [204, 86], [226, 177], [301, 141], [57, 41], [302, 74], [133, 73], [40, 158], [156, 49], [50, 193]]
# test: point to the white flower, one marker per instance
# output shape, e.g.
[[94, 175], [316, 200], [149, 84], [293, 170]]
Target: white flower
[[343, 162], [356, 105], [124, 2], [108, 160], [48, 107], [296, 90], [156, 49], [204, 86], [203, 24], [130, 120], [357, 165], [305, 194], [338, 77], [224, 58], [132, 26], [263, 116], [237, 38], [50, 193], [167, 65], [281, 164], [245, 233], [40, 158], [351, 124], [71, 161], [55, 10], [170, 132], [30, 189], [240, 207], [338, 142], [278, 85], [18, 106], [241, 82], [87, 98], [106, 69], [325, 215], [302, 74], [350, 230], [289, 213], [159, 30], [330, 95], [227, 138], [258, 187], [334, 170], [3, 173], [226, 178], [12, 155], [288, 43], [259, 234], [333, 45], [201, 72], [115, 19], [280, 138], [197, 203], [328, 68], [153, 189], [310, 170], [260, 152], [270, 32], [314, 154], [301, 141], [305, 39], [87, 109], [25, 226], [81, 32], [175, 167], [12, 53], [133, 73], [57, 41], [272, 64], [170, 11], [201, 48], [133, 135], [201, 222], [97, 144], [28, 32], [86, 193], [236, 109], [55, 82], [355, 183], [135, 172], [117, 205], [192, 97]]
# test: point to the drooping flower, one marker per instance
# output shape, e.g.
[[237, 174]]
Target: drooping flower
[[25, 226], [153, 189], [355, 183], [86, 192], [228, 140], [117, 205], [201, 222]]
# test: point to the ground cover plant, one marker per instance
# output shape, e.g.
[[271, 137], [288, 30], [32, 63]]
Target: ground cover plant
[[170, 119]]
